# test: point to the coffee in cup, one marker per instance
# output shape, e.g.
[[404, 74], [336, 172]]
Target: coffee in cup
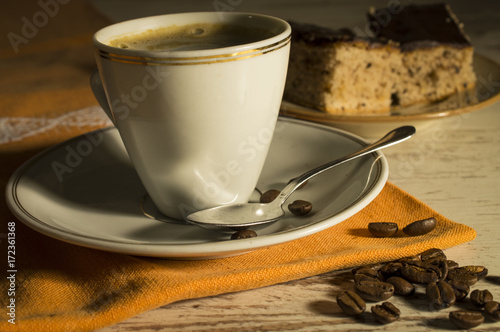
[[197, 36]]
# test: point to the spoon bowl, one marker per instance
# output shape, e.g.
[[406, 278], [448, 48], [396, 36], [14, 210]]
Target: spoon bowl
[[234, 217]]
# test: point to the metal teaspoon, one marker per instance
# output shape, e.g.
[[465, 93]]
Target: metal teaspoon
[[233, 217]]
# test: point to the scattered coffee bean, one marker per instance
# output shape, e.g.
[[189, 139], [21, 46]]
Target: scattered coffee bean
[[466, 319], [243, 234], [374, 290], [431, 254], [368, 270], [492, 310], [362, 277], [383, 229], [300, 207], [480, 297], [461, 289], [401, 286], [441, 295], [351, 303], [391, 269], [269, 196], [445, 284], [451, 264], [386, 312], [462, 275], [479, 271], [438, 265], [418, 273], [409, 259], [420, 227], [366, 273], [374, 267]]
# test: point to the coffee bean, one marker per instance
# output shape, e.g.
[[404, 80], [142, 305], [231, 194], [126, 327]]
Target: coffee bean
[[462, 275], [300, 207], [466, 319], [420, 227], [269, 196], [438, 265], [374, 267], [418, 273], [452, 264], [374, 290], [401, 286], [391, 269], [386, 312], [363, 277], [383, 229], [366, 270], [479, 271], [480, 297], [243, 234], [446, 283], [431, 254], [440, 294], [461, 289], [351, 303], [409, 259], [492, 310], [448, 297], [366, 274], [433, 294]]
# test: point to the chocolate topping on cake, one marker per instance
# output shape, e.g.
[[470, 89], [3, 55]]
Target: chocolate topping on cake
[[422, 26], [320, 36]]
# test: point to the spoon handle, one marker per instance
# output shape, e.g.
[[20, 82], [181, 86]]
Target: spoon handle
[[393, 137]]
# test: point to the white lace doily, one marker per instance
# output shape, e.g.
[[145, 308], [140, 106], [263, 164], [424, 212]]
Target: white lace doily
[[14, 129]]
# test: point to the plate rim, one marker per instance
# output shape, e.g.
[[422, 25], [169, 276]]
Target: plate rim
[[189, 251], [291, 109]]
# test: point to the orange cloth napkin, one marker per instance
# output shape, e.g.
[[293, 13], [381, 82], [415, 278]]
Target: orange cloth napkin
[[63, 287]]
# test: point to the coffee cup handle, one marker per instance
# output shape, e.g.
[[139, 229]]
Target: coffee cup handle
[[100, 95]]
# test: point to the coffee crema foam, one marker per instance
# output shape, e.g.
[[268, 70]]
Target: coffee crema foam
[[190, 37]]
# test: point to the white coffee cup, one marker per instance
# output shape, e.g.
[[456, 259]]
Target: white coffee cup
[[197, 124]]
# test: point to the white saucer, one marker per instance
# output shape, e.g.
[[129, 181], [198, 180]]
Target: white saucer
[[86, 192]]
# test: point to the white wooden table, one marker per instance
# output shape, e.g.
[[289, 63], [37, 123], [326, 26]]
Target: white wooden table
[[453, 166]]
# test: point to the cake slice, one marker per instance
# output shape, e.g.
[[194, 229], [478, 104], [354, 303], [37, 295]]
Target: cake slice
[[340, 73], [436, 53]]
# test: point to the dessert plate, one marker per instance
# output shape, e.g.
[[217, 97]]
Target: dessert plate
[[85, 191], [487, 92]]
